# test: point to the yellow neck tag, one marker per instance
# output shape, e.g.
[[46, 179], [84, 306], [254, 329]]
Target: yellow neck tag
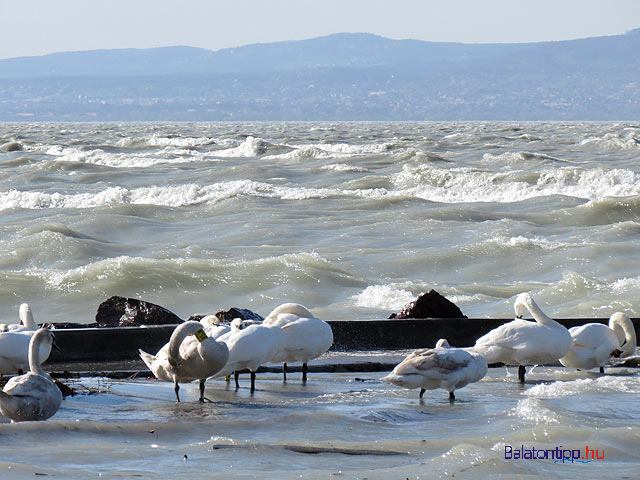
[[200, 335]]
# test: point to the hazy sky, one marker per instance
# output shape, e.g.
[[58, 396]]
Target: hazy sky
[[36, 27]]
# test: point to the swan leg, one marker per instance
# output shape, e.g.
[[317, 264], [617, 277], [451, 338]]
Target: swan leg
[[452, 396], [201, 399], [601, 369], [235, 377], [284, 372], [253, 382], [304, 373], [177, 388], [422, 390], [521, 372]]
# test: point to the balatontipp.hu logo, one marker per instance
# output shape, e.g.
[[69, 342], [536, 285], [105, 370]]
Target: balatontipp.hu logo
[[558, 454]]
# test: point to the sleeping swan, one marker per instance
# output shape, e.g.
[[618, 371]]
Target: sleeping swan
[[32, 396], [522, 342], [189, 355], [594, 343], [305, 337], [440, 367]]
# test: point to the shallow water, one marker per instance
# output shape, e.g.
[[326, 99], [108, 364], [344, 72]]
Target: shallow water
[[351, 219], [362, 428]]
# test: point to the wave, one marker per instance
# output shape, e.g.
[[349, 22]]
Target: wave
[[627, 140], [465, 184], [387, 297]]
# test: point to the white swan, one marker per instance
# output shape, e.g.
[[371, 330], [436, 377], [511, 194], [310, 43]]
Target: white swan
[[213, 327], [32, 396], [305, 337], [521, 342], [14, 343], [594, 343], [26, 321], [249, 348], [189, 355], [439, 367]]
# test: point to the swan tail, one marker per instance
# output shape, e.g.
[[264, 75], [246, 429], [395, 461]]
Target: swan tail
[[147, 358]]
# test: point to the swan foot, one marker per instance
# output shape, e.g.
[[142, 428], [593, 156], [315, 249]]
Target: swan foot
[[452, 397], [521, 372], [304, 373], [177, 389], [422, 390]]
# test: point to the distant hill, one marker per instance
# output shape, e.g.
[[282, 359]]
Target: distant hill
[[337, 77]]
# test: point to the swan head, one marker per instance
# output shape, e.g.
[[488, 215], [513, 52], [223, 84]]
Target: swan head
[[236, 324], [522, 304], [442, 343]]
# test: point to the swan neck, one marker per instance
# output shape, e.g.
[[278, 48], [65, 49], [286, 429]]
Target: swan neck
[[541, 317], [630, 340], [27, 318], [34, 352], [179, 334]]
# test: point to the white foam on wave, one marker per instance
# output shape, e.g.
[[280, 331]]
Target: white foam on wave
[[581, 386], [250, 147], [529, 243], [176, 196], [614, 141], [320, 151], [533, 410], [388, 297], [343, 167], [123, 160], [455, 185], [157, 140]]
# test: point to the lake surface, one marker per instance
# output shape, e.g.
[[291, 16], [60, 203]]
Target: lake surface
[[351, 219], [339, 425]]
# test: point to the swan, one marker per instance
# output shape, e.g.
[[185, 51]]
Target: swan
[[213, 327], [305, 337], [592, 344], [189, 355], [32, 396], [26, 321], [522, 342], [249, 348], [14, 343], [440, 367]]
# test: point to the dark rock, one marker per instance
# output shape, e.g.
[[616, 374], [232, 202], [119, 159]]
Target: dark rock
[[430, 305], [242, 313], [629, 362], [127, 312]]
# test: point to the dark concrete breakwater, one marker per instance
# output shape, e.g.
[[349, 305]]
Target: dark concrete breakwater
[[122, 343]]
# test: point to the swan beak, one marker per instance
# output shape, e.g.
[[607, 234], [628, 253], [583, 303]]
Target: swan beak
[[616, 353]]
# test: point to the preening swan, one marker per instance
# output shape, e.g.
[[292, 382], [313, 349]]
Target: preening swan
[[249, 348], [26, 321], [32, 396], [14, 343], [522, 342], [594, 343], [439, 367], [189, 355], [305, 337]]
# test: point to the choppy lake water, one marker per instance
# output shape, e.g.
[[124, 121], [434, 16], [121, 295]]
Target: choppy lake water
[[351, 219], [361, 427]]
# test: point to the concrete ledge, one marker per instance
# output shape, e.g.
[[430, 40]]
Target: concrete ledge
[[122, 343]]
